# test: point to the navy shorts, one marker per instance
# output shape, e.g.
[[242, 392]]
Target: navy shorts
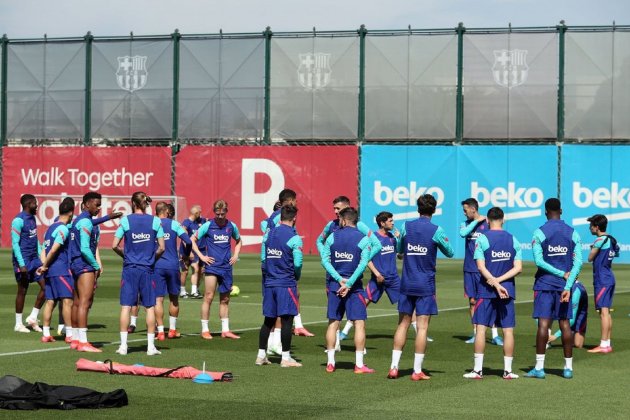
[[422, 305], [137, 281], [279, 301], [604, 296], [581, 319], [494, 312], [79, 267], [31, 267], [224, 278], [166, 282], [374, 291], [471, 281], [354, 306], [59, 287], [547, 305]]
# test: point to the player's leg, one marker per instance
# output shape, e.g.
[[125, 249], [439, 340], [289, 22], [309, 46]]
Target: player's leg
[[287, 326], [567, 346], [85, 291], [31, 320], [146, 291], [151, 350], [194, 281], [66, 311], [173, 314], [420, 346], [263, 337], [125, 314], [578, 340], [46, 318], [400, 337], [208, 296], [158, 311], [20, 296], [225, 288], [184, 267], [331, 337], [74, 313], [61, 326], [274, 344], [133, 319]]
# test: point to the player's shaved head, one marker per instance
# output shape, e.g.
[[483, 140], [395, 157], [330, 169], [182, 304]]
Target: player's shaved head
[[349, 215], [341, 199], [27, 199], [161, 209], [66, 206]]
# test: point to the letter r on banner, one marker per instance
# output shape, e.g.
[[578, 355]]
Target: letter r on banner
[[250, 200]]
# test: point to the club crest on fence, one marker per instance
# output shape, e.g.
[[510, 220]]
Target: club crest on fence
[[132, 72], [510, 67], [314, 71]]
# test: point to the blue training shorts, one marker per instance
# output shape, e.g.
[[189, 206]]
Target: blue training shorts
[[423, 305], [494, 312], [279, 301], [137, 281], [547, 305]]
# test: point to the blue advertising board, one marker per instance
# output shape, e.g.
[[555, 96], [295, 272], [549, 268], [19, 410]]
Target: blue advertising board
[[595, 180]]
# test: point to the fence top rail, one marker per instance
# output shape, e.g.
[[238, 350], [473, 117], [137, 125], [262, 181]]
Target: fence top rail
[[327, 33]]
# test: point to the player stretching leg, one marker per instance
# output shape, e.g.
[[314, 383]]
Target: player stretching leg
[[419, 241], [282, 260], [219, 265], [498, 256]]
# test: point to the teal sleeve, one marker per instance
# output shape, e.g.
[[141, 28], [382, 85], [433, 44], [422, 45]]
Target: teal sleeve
[[465, 229], [40, 247], [157, 227], [374, 243], [325, 255], [85, 229], [263, 226], [577, 261], [16, 230], [235, 233], [440, 238], [202, 231], [177, 228], [122, 228], [539, 260], [399, 243], [296, 245], [518, 248], [262, 246], [321, 239], [364, 244], [599, 242], [60, 235], [481, 244]]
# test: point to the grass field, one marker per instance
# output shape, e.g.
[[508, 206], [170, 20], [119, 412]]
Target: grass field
[[599, 388]]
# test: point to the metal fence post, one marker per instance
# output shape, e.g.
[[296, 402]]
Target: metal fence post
[[561, 31], [175, 145], [87, 117], [459, 101], [3, 90], [361, 123], [267, 119]]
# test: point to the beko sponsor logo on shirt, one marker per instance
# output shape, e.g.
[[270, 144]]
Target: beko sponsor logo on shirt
[[406, 196], [613, 198], [500, 256], [343, 256], [140, 237], [32, 233], [557, 250], [56, 177], [167, 236], [416, 249], [387, 249], [274, 253], [221, 239], [522, 202]]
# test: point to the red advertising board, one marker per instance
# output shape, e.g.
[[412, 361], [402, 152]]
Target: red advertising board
[[53, 172], [250, 178]]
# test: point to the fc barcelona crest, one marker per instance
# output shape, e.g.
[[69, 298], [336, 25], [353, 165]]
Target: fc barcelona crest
[[314, 70], [132, 72], [510, 67]]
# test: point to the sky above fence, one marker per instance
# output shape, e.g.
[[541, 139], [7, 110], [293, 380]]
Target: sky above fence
[[63, 18]]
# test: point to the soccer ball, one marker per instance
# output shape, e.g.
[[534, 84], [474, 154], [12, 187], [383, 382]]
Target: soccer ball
[[235, 291]]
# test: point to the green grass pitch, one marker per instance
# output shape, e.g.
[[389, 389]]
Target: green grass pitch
[[599, 388]]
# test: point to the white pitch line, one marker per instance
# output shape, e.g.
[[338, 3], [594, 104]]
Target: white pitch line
[[19, 353]]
